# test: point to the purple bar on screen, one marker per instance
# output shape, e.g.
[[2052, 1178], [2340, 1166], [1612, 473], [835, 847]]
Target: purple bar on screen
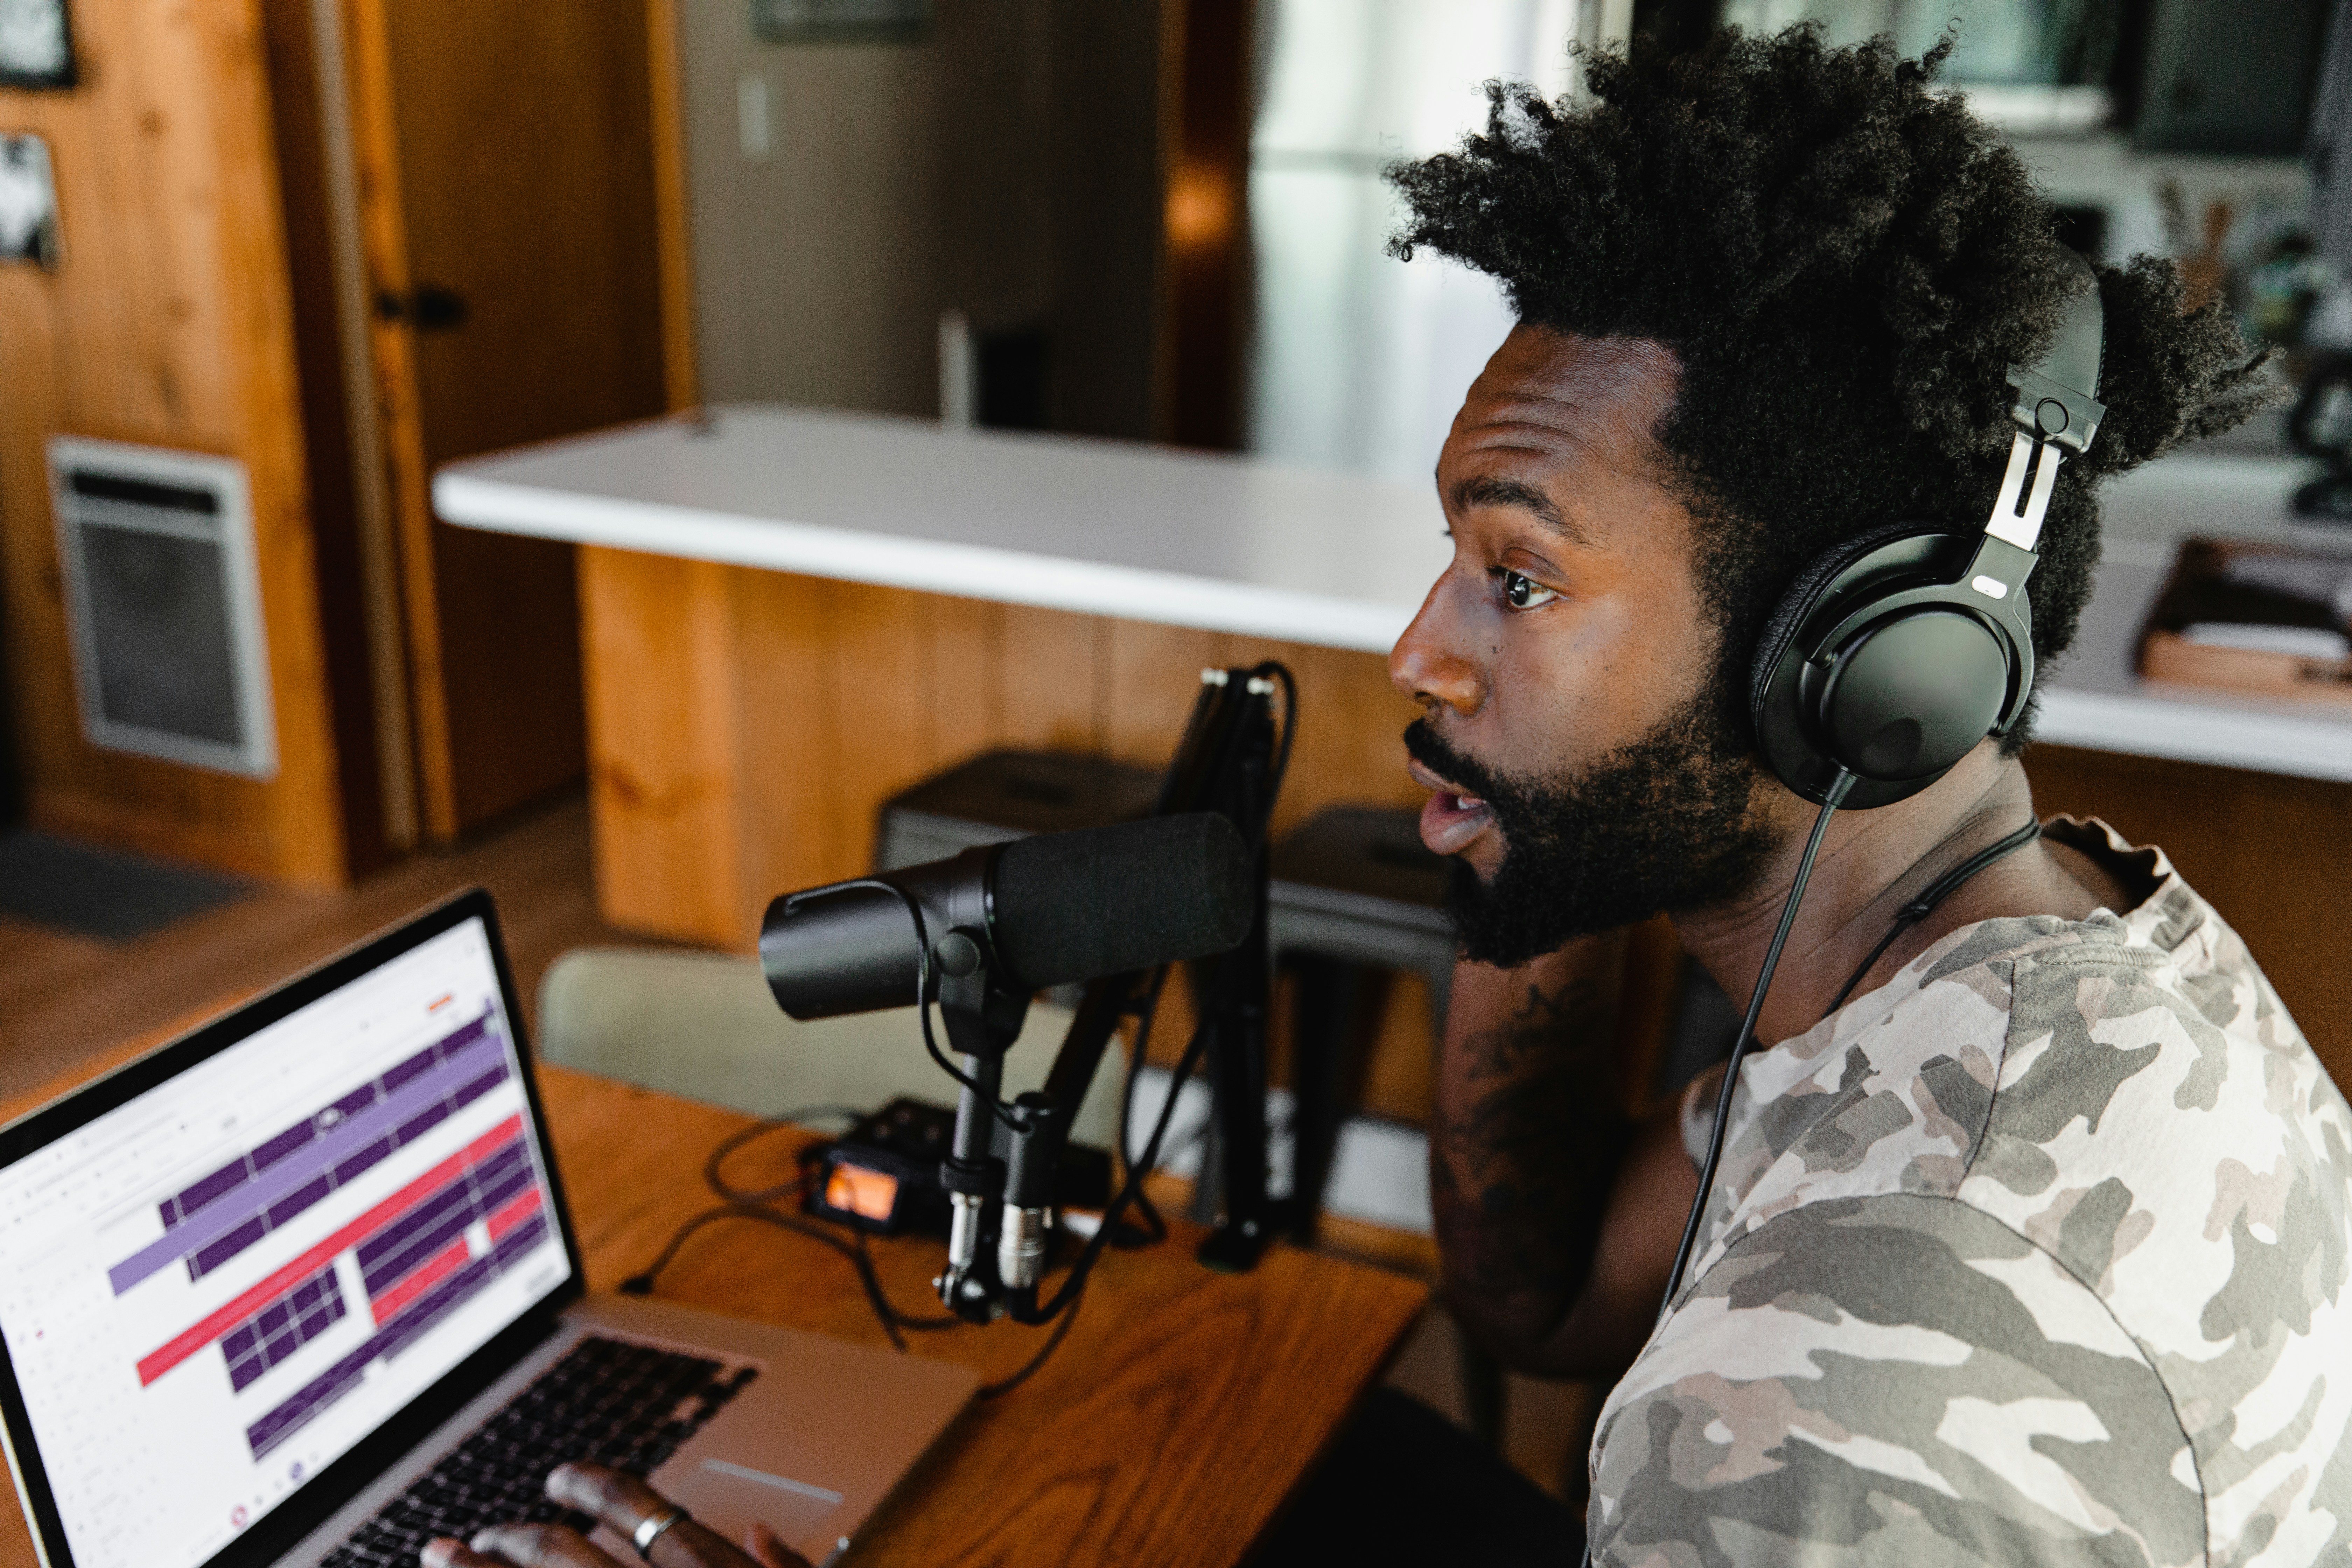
[[203, 1232], [395, 1236], [285, 1143], [425, 1120], [479, 1087], [345, 1170], [422, 1246], [276, 1147], [396, 1336], [298, 1200], [197, 1195], [208, 1259], [417, 1066]]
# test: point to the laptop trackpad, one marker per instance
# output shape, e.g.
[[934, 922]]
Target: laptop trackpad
[[731, 1498]]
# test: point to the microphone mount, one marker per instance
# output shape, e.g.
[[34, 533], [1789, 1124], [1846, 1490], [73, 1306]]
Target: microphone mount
[[1229, 763]]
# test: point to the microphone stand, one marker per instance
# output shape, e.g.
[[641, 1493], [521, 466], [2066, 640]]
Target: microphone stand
[[1230, 750], [1226, 762]]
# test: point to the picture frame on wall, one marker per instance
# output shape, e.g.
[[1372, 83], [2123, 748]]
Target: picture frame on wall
[[36, 44], [28, 203], [838, 21]]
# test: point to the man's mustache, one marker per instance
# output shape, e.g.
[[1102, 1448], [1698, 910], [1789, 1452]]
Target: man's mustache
[[1424, 745]]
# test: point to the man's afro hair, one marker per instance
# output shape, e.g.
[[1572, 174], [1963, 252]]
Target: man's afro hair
[[1845, 262]]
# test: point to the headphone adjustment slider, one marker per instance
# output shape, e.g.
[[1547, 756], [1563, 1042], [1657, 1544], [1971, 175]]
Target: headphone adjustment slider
[[2022, 525]]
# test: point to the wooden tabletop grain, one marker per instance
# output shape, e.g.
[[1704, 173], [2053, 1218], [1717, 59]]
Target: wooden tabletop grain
[[1178, 1414]]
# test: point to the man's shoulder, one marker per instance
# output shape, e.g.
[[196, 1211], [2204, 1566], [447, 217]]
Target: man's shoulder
[[1896, 1377], [2089, 1134]]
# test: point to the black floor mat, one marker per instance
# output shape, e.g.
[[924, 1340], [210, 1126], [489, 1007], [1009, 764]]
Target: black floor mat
[[103, 893]]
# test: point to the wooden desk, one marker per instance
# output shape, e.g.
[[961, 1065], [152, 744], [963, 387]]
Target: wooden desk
[[1174, 1419]]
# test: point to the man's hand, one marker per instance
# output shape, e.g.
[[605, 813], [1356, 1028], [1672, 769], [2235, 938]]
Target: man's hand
[[620, 1503]]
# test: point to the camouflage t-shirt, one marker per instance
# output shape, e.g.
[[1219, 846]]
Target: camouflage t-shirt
[[2036, 1254]]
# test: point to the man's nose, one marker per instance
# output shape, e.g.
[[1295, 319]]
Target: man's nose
[[1431, 662]]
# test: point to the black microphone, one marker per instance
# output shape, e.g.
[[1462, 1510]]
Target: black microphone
[[1047, 911]]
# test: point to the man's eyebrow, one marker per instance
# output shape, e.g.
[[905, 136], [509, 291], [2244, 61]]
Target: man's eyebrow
[[1486, 489]]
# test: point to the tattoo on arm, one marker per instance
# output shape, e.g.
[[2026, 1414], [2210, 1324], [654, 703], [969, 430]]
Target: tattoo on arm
[[1529, 1133]]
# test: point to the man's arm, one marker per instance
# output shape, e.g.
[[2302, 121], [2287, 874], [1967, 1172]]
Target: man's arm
[[1556, 1216]]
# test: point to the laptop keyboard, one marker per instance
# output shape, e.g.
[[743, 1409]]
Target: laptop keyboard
[[623, 1404]]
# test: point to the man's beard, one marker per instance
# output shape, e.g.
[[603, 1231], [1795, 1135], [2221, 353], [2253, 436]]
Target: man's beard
[[1661, 824]]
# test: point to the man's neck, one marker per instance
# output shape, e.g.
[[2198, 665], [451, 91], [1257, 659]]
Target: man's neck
[[1871, 864]]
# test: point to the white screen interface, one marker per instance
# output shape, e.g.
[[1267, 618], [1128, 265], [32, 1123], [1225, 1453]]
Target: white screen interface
[[211, 1292]]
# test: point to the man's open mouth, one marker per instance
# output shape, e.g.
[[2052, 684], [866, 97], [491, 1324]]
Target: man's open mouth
[[1454, 817]]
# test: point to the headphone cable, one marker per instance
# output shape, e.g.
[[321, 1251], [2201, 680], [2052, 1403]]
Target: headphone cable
[[1830, 802], [1935, 894]]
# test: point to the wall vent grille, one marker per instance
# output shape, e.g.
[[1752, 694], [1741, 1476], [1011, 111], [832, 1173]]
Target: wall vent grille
[[163, 603]]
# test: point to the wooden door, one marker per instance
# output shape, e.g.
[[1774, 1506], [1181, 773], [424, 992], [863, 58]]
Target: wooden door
[[508, 212]]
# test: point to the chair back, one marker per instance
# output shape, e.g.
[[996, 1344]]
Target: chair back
[[704, 1026]]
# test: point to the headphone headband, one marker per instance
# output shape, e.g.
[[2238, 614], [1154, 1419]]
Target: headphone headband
[[2057, 410], [1895, 654]]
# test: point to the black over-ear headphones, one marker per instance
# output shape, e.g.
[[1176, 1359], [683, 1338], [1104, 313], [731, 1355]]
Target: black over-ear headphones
[[1892, 656]]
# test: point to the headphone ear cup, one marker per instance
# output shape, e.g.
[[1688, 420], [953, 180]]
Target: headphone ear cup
[[1920, 674], [1797, 606]]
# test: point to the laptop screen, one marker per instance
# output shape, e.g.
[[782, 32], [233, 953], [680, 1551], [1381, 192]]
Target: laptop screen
[[212, 1291]]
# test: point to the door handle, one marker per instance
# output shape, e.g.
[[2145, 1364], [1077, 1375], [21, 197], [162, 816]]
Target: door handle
[[428, 308]]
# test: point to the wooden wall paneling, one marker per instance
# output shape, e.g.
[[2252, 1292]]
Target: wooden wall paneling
[[669, 745], [324, 380], [1053, 687], [965, 652], [1153, 679], [400, 440], [794, 819], [169, 323], [2274, 855], [45, 734], [1349, 750], [883, 687], [259, 332]]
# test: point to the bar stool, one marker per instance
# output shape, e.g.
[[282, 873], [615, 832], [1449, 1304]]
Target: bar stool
[[998, 795], [1354, 892]]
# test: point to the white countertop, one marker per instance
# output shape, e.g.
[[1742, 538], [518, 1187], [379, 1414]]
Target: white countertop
[[1108, 528], [1240, 545]]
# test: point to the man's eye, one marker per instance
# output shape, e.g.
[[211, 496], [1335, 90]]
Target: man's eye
[[1524, 593]]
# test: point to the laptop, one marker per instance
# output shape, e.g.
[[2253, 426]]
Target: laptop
[[300, 1287]]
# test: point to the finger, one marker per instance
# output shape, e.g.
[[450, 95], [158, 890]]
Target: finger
[[769, 1549], [541, 1546], [616, 1500], [620, 1502], [448, 1552]]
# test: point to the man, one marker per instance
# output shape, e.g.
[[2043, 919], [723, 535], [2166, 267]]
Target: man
[[2036, 1250]]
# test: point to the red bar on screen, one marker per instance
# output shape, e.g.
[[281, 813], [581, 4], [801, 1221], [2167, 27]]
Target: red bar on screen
[[219, 1321]]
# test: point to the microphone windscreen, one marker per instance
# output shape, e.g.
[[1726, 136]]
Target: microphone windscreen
[[1103, 901]]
